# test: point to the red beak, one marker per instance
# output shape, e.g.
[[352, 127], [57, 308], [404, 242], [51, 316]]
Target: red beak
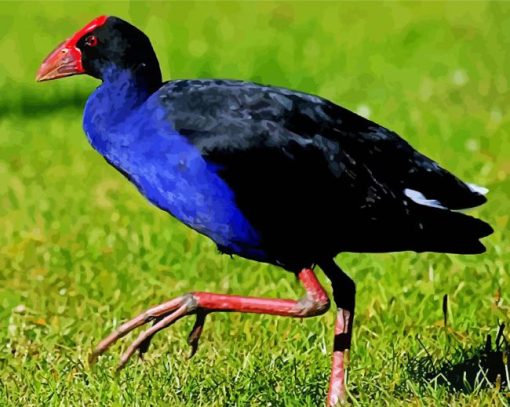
[[65, 60]]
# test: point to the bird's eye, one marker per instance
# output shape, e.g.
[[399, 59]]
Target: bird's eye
[[91, 41]]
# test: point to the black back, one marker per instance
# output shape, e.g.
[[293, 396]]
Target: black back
[[312, 177]]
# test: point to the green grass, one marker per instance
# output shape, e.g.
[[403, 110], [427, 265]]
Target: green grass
[[81, 251]]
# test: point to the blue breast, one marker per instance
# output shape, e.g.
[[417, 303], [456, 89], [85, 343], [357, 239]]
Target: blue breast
[[168, 170]]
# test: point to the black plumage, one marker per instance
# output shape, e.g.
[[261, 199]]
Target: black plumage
[[316, 179]]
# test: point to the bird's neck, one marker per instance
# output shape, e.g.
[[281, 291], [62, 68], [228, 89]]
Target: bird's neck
[[114, 102]]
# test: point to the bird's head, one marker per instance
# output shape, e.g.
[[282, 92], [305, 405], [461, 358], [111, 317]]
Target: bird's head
[[104, 45]]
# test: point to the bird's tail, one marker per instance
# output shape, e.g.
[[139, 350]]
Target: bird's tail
[[446, 231]]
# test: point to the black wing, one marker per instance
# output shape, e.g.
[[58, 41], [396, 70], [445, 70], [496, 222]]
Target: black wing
[[312, 176]]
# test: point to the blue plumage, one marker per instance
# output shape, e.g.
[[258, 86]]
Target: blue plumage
[[134, 135]]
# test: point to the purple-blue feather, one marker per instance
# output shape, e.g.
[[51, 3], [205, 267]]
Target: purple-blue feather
[[132, 132]]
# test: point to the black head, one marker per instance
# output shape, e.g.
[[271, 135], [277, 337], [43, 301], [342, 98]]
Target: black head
[[104, 46]]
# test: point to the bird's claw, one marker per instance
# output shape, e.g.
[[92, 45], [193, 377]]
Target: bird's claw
[[193, 337], [144, 346], [196, 332], [162, 316]]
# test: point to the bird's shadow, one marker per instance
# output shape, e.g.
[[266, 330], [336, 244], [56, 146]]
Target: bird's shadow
[[34, 105], [485, 366], [465, 370]]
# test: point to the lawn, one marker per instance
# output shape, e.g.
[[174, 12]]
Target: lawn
[[82, 251]]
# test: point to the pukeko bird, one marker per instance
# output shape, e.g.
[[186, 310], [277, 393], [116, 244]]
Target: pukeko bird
[[269, 174]]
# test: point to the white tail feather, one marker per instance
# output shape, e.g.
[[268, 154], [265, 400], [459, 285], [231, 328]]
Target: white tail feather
[[478, 189], [420, 199]]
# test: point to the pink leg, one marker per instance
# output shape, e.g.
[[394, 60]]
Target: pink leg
[[316, 302], [342, 344], [344, 294]]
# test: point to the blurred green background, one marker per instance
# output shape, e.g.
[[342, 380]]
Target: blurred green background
[[81, 251]]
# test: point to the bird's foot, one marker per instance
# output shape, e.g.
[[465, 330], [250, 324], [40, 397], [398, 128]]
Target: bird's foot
[[315, 302], [163, 316]]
